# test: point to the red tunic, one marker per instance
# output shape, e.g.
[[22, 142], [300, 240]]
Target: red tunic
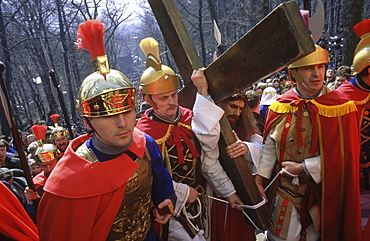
[[339, 143], [82, 198], [164, 133], [15, 222]]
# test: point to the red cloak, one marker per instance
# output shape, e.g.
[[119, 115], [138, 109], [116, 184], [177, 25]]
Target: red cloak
[[360, 97], [39, 180], [82, 198], [15, 222], [336, 134]]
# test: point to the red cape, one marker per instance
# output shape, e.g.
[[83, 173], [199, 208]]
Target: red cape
[[339, 143], [39, 180], [360, 97], [82, 198], [170, 133], [15, 222]]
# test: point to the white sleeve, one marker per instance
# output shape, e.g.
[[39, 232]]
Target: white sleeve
[[268, 158], [313, 166], [205, 123], [215, 174], [182, 192], [255, 151]]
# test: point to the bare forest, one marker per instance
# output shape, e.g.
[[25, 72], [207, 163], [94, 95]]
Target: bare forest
[[38, 35]]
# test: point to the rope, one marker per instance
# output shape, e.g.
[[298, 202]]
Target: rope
[[243, 206], [295, 180], [188, 216]]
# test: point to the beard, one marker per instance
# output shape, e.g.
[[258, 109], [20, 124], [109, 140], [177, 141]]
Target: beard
[[233, 119]]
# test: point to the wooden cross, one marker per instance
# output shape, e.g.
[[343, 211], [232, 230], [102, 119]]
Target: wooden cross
[[279, 39]]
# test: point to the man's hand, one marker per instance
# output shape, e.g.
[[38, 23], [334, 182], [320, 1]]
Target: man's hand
[[162, 219], [236, 149], [234, 199], [294, 168], [30, 195], [200, 81], [259, 180], [193, 195]]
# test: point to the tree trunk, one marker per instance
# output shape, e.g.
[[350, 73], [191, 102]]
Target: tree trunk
[[5, 128], [352, 14], [63, 40]]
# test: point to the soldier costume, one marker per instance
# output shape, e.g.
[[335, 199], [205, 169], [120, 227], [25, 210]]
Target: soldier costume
[[98, 191], [318, 132], [184, 159], [59, 134], [356, 89], [47, 155]]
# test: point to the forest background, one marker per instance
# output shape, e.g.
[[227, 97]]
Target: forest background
[[28, 25]]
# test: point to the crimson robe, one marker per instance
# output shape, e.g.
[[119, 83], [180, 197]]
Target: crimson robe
[[14, 221], [336, 134]]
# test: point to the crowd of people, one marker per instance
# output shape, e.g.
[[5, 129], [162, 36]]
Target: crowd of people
[[158, 176]]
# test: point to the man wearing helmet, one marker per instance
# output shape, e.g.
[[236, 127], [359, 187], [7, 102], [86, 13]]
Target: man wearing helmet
[[47, 155], [59, 135], [306, 131], [108, 182], [177, 131], [358, 89]]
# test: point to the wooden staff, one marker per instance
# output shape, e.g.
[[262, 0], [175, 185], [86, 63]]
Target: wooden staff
[[11, 121]]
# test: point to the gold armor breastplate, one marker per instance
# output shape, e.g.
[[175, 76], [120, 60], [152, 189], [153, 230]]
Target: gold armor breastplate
[[133, 218]]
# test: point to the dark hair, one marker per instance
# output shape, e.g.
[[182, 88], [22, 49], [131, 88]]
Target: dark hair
[[246, 125], [253, 98], [5, 174], [343, 74], [344, 68], [283, 77], [2, 143]]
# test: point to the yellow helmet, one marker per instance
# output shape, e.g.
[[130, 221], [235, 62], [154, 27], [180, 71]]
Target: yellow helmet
[[58, 131], [106, 91], [45, 152], [361, 60], [105, 95], [157, 78], [362, 53], [319, 56]]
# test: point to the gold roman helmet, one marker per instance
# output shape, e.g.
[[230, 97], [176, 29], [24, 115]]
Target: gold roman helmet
[[319, 56], [362, 52], [157, 78], [107, 91], [58, 131], [45, 152]]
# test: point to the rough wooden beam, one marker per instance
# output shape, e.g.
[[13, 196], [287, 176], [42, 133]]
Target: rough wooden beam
[[276, 41]]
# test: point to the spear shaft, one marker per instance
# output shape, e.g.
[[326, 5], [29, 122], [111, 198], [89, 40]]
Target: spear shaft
[[55, 90], [11, 121]]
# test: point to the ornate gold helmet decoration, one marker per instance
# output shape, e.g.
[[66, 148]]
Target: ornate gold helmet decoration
[[362, 52], [157, 78], [106, 91], [45, 152], [319, 56], [58, 131]]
